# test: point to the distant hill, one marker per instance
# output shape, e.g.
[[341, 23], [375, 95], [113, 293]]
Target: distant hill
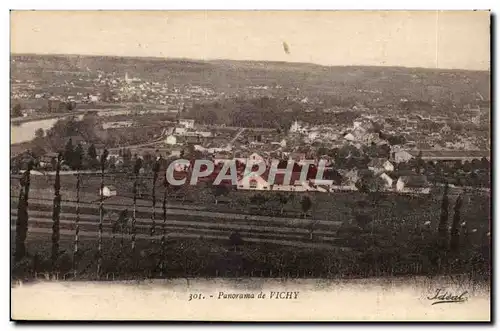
[[385, 85]]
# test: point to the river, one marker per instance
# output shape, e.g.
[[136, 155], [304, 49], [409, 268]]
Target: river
[[24, 132]]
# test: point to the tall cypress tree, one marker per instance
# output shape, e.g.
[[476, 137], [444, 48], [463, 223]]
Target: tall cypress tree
[[91, 152], [120, 225], [419, 163], [156, 169], [78, 167], [443, 222], [164, 224], [68, 152], [137, 168], [104, 156], [77, 157], [56, 213], [22, 215], [455, 230]]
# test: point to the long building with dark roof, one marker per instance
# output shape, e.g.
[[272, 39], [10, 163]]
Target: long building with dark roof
[[451, 155]]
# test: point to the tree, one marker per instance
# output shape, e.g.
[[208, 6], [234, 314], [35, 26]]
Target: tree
[[419, 163], [16, 111], [38, 149], [107, 94], [91, 152], [368, 183], [235, 239], [56, 213], [62, 107], [112, 162], [283, 199], [163, 226], [50, 106], [120, 225], [127, 157], [104, 156], [377, 127], [306, 204], [455, 230], [219, 190], [156, 170], [77, 157], [137, 168], [396, 140], [71, 105], [78, 164], [485, 164], [68, 152], [362, 219], [147, 158], [22, 214], [385, 151], [322, 151], [258, 199], [443, 222], [39, 133]]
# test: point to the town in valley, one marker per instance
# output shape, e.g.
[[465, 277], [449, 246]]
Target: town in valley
[[406, 150]]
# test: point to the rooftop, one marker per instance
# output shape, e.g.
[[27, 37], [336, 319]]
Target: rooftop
[[439, 154]]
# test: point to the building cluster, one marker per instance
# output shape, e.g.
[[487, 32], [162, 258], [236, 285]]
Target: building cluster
[[405, 133], [103, 88], [187, 139]]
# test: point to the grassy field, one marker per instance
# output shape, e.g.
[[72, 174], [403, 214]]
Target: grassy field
[[218, 258], [394, 240], [339, 206], [183, 257]]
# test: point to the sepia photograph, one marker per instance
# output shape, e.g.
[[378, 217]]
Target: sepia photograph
[[250, 165]]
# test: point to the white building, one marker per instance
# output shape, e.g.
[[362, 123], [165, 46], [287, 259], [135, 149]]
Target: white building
[[204, 134], [114, 125], [413, 184], [312, 135], [255, 182], [380, 165], [171, 140], [401, 156], [293, 188], [445, 129], [255, 158], [388, 181], [321, 185], [188, 124], [175, 153], [349, 177], [93, 98], [349, 137], [180, 131], [108, 191], [296, 128]]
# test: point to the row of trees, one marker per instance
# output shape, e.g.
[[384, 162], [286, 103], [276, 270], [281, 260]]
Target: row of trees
[[265, 112], [22, 219], [282, 199], [75, 156], [89, 130], [450, 240], [123, 224]]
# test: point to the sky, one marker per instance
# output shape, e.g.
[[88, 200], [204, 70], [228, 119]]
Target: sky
[[430, 39]]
